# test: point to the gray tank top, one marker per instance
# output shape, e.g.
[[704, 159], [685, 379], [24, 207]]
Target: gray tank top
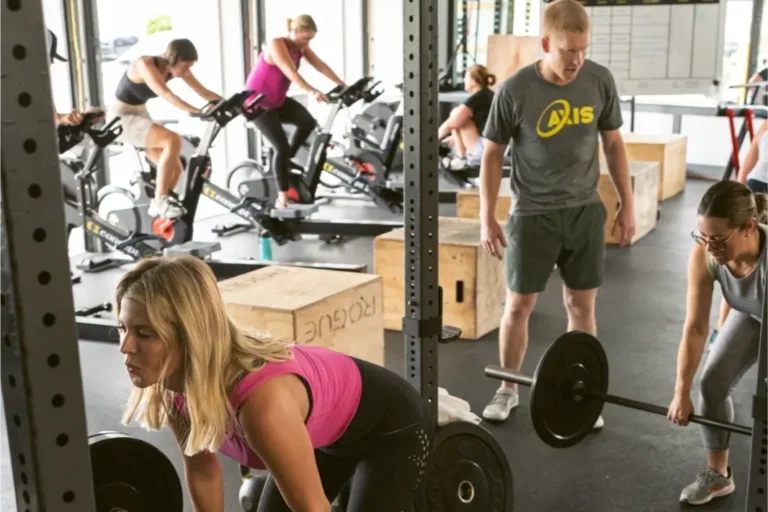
[[744, 294], [760, 171]]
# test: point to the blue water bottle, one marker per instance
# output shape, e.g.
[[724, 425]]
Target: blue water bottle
[[265, 247]]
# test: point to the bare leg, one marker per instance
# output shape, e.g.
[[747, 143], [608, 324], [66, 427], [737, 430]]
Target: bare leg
[[169, 168], [466, 137], [580, 306], [513, 331], [461, 149], [718, 460], [168, 145]]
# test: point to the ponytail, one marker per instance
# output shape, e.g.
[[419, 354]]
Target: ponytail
[[490, 80], [761, 207], [481, 75]]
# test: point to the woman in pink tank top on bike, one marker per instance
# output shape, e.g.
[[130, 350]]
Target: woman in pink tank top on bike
[[272, 75], [325, 425]]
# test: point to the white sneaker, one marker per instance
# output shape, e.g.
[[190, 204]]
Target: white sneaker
[[599, 423], [501, 405], [164, 207], [457, 164]]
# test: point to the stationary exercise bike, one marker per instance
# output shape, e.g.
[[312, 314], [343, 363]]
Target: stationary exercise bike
[[197, 182], [79, 191], [356, 169]]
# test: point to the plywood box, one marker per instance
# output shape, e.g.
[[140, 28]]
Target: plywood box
[[669, 150], [334, 309], [473, 281], [644, 177], [468, 202], [507, 54]]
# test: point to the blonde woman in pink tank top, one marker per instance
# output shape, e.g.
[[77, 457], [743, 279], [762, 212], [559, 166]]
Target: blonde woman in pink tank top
[[327, 426], [273, 74]]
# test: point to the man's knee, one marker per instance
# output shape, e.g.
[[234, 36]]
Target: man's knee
[[518, 307], [580, 304]]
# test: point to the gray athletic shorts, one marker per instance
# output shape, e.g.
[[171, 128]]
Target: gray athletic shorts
[[572, 238]]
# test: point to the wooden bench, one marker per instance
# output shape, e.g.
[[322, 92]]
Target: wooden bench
[[335, 309]]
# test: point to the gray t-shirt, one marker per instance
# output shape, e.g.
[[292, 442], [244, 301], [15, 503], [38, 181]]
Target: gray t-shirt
[[554, 132], [744, 294]]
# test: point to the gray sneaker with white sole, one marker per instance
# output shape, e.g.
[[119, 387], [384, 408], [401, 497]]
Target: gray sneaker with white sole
[[501, 405], [709, 485]]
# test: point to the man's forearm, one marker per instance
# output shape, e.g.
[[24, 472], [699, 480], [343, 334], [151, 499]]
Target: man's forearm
[[618, 167], [490, 182]]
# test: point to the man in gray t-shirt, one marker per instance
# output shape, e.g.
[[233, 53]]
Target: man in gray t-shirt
[[554, 112]]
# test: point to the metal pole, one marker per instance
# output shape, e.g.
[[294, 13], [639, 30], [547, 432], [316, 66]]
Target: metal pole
[[422, 323], [41, 379], [755, 30]]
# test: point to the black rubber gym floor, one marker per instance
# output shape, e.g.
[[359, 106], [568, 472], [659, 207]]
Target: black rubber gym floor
[[638, 462]]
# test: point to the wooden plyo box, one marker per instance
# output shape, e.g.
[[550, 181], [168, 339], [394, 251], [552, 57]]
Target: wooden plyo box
[[507, 54], [669, 150], [334, 309], [468, 202], [473, 281], [644, 178]]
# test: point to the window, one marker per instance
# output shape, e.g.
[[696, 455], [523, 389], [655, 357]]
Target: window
[[144, 28]]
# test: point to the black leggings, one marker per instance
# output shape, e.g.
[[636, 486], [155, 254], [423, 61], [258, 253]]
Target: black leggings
[[377, 465], [270, 124]]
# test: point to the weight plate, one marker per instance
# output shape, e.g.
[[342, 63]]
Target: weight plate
[[131, 475], [561, 419], [467, 471]]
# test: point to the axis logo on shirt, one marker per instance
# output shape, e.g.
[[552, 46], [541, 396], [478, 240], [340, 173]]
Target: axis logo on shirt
[[559, 114]]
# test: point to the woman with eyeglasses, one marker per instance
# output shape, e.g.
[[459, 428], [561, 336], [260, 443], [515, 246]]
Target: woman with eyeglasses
[[730, 250]]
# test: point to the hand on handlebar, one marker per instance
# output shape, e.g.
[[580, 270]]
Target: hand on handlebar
[[319, 96], [74, 118]]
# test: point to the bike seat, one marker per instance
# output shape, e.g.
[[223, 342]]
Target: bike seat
[[193, 248], [295, 211]]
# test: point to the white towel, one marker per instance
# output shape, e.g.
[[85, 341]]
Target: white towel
[[450, 408]]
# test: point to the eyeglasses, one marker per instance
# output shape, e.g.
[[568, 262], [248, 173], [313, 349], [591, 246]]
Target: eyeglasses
[[716, 245]]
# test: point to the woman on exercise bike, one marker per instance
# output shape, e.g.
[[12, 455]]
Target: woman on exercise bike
[[464, 127], [273, 74], [147, 78], [318, 420]]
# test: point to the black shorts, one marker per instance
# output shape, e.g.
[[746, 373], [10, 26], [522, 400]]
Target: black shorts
[[378, 464]]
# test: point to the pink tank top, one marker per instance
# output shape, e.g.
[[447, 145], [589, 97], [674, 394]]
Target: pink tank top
[[335, 384], [269, 80]]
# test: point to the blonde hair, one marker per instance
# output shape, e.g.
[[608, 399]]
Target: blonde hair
[[184, 306], [302, 23], [565, 16], [481, 75]]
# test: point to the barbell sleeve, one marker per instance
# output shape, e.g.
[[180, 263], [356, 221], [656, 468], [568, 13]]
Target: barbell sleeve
[[497, 372], [657, 409]]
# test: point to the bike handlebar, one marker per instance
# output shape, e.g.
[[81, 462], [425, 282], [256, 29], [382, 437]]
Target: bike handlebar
[[223, 111]]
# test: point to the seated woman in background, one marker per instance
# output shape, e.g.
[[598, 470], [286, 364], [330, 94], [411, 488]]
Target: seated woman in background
[[731, 250], [272, 75], [146, 78], [318, 420], [464, 127]]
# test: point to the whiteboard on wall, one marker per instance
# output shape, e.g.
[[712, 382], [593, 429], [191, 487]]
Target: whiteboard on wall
[[655, 46]]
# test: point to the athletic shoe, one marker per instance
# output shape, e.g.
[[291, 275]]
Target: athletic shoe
[[709, 484], [501, 405], [599, 423], [164, 207], [457, 164]]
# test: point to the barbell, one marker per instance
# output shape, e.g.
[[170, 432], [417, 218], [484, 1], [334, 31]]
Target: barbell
[[570, 387]]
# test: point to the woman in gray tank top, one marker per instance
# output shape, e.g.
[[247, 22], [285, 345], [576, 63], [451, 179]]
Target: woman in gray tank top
[[730, 250]]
